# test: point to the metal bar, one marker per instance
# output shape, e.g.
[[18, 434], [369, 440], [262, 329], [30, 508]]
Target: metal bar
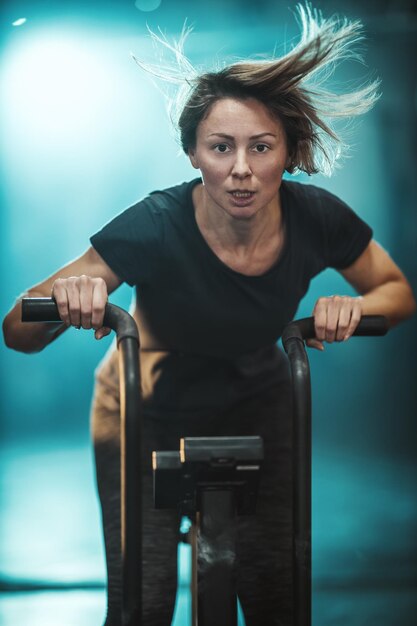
[[131, 477], [217, 599], [293, 341], [45, 310]]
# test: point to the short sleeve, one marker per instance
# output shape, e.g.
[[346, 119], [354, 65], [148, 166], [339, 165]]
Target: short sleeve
[[129, 243], [346, 234]]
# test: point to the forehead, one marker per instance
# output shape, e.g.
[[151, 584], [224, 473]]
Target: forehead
[[236, 117]]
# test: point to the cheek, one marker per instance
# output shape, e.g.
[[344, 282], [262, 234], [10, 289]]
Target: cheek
[[212, 169], [271, 172]]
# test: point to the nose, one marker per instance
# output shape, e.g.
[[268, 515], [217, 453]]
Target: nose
[[241, 167]]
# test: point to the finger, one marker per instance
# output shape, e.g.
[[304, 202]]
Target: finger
[[102, 332], [320, 318], [98, 305], [86, 296], [74, 305], [60, 295], [345, 316], [333, 312], [314, 343], [355, 318]]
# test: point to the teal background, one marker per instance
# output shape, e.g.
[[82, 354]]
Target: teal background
[[85, 134]]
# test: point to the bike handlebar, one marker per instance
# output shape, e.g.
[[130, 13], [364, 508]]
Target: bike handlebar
[[119, 320], [369, 325], [293, 337], [46, 310]]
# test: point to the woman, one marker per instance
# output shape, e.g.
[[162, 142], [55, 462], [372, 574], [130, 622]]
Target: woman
[[220, 264]]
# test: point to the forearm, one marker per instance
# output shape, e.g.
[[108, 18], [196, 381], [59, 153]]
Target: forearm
[[393, 299], [80, 290], [26, 337]]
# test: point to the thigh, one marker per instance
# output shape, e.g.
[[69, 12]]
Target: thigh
[[160, 528], [264, 556]]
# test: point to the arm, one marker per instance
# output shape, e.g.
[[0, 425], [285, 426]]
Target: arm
[[80, 289], [384, 291], [384, 287]]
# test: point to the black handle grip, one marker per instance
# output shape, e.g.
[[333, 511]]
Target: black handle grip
[[46, 310], [39, 310], [369, 326]]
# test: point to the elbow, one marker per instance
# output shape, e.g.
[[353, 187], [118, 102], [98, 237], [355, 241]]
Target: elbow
[[406, 309], [8, 334], [14, 340], [411, 305]]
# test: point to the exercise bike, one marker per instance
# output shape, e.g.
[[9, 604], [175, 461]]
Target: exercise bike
[[211, 479]]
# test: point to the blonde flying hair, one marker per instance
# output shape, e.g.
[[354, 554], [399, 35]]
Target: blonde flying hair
[[292, 87]]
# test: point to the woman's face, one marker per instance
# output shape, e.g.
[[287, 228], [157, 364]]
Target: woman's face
[[241, 151]]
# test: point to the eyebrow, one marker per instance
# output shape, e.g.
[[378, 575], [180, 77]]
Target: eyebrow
[[232, 138]]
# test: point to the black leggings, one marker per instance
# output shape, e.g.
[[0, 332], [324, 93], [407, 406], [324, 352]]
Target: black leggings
[[264, 540]]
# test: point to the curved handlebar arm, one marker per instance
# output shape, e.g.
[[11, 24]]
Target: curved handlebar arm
[[46, 310], [293, 341], [369, 325]]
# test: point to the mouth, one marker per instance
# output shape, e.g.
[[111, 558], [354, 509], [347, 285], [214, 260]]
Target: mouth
[[242, 193]]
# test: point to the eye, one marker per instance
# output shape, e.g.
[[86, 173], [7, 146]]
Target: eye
[[221, 147], [261, 148]]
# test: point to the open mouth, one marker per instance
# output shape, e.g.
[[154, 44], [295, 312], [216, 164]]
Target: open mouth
[[242, 194]]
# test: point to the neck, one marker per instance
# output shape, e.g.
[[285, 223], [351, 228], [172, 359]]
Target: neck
[[232, 233]]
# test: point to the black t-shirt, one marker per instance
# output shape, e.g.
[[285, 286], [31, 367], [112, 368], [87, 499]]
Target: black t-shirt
[[208, 333]]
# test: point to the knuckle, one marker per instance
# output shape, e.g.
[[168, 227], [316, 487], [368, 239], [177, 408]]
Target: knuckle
[[58, 287], [60, 296], [71, 283], [83, 281], [74, 309], [97, 311], [97, 314]]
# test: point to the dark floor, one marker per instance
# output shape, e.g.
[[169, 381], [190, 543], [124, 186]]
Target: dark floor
[[364, 555], [85, 608]]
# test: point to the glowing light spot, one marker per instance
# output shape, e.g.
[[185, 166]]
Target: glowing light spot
[[57, 88], [147, 5], [185, 525], [19, 22]]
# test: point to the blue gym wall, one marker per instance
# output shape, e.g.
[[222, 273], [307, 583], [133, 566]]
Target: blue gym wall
[[84, 133]]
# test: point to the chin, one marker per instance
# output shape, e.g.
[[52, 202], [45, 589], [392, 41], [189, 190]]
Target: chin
[[242, 213]]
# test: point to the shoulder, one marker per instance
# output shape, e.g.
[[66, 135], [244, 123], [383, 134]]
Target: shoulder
[[143, 218], [325, 223], [316, 208], [131, 243], [310, 198], [168, 199]]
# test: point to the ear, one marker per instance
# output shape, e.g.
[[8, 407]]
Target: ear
[[193, 158], [289, 161]]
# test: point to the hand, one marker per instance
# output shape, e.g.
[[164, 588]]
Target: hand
[[335, 319], [81, 301]]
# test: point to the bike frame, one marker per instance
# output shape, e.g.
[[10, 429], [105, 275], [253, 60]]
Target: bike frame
[[294, 335]]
